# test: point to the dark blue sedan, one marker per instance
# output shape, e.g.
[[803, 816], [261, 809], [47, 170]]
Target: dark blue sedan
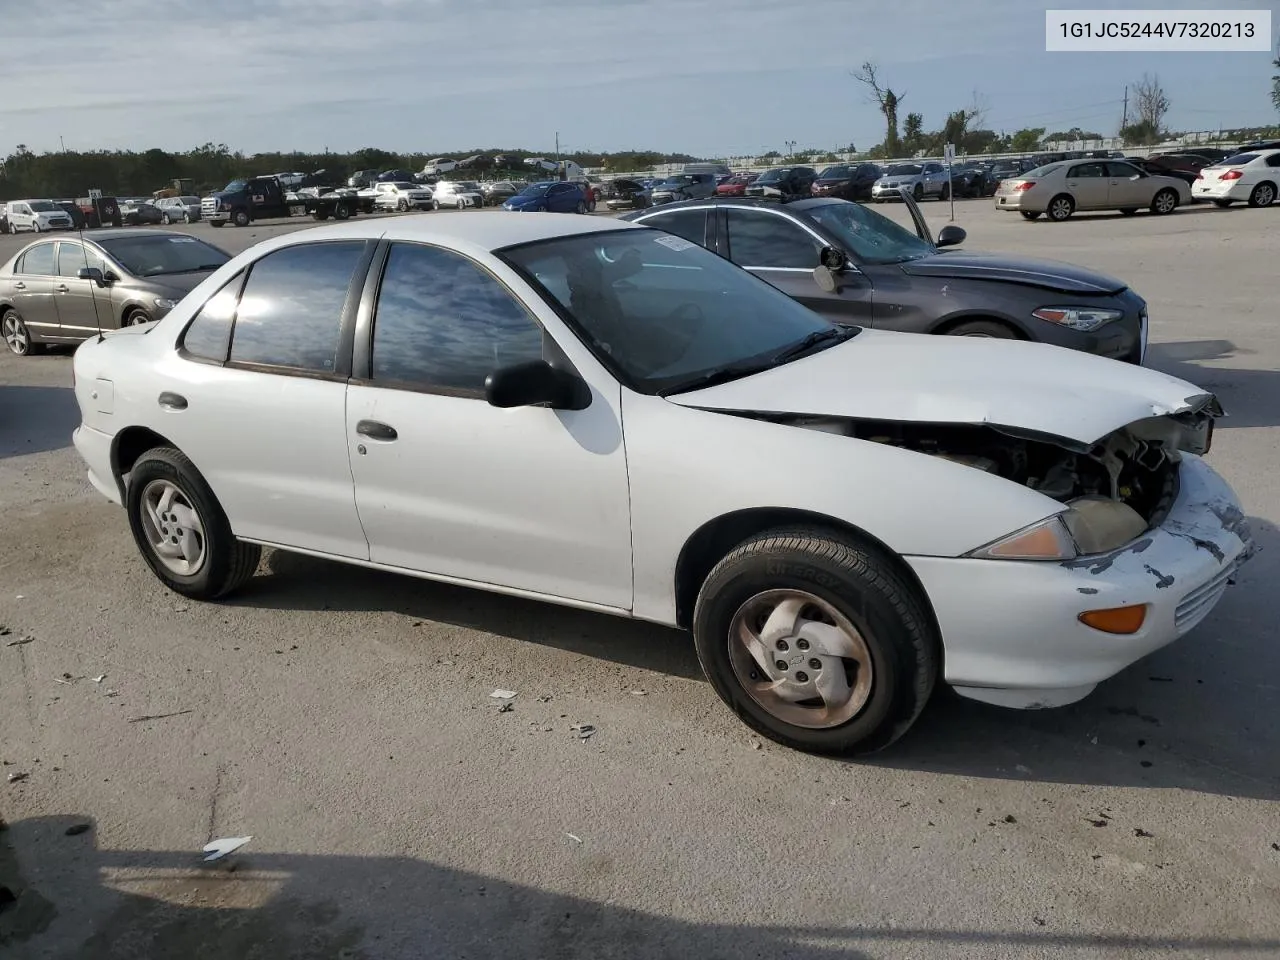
[[549, 196]]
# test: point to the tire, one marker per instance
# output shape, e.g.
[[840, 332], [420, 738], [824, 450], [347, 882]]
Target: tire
[[35, 226], [134, 317], [217, 223], [165, 220], [435, 204], [857, 599], [1031, 214], [1223, 203], [16, 335], [591, 207], [320, 215], [918, 193], [1061, 208], [341, 211], [1264, 194], [240, 218], [982, 328], [403, 205], [223, 563], [581, 208], [186, 217], [945, 192], [1164, 203]]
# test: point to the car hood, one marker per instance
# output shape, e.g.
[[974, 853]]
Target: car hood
[[887, 181], [172, 287], [1023, 387], [520, 200], [1049, 274]]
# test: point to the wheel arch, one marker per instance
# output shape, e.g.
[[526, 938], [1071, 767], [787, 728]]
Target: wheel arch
[[948, 323], [130, 444], [709, 544]]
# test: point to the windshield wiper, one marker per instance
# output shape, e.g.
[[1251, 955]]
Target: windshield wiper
[[796, 350], [717, 376]]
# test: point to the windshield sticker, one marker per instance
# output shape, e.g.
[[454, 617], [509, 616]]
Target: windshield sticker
[[182, 239], [675, 243]]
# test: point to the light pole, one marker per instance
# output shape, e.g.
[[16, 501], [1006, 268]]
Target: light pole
[[791, 148]]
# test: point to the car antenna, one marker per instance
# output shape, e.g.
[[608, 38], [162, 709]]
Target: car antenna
[[93, 296]]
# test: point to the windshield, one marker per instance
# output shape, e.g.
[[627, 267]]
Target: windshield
[[869, 236], [1239, 160], [235, 186], [903, 170], [535, 190], [836, 173], [675, 181], [189, 200], [664, 313], [402, 185], [770, 176], [161, 254], [41, 206], [1044, 171]]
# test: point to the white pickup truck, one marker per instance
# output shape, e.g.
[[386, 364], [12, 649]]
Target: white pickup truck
[[400, 195]]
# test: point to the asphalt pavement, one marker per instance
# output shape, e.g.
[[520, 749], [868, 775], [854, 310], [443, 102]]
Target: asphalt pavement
[[342, 718]]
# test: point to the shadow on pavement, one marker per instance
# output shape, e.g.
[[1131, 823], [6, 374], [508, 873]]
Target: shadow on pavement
[[75, 900], [36, 419], [1250, 397]]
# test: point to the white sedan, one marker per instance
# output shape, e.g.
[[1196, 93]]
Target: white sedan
[[607, 416], [1252, 178], [401, 196]]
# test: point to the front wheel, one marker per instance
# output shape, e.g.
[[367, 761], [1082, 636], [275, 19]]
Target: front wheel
[[982, 328], [945, 192], [240, 218], [816, 641], [165, 220], [1031, 214], [186, 217], [180, 528], [581, 207], [403, 205], [435, 204], [918, 192], [1164, 202]]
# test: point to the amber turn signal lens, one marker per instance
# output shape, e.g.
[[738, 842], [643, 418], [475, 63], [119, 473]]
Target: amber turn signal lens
[[1123, 620]]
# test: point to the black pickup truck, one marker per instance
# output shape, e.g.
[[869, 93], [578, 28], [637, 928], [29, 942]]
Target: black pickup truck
[[259, 198]]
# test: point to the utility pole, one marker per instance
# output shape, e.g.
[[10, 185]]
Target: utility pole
[[63, 142], [1124, 117]]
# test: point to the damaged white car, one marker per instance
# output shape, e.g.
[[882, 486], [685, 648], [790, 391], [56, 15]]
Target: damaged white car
[[611, 417]]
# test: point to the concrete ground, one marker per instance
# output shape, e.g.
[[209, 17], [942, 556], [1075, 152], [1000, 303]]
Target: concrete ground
[[342, 718]]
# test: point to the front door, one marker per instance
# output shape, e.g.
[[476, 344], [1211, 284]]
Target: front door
[[1127, 186], [530, 498], [35, 276], [84, 308], [777, 249], [1088, 184]]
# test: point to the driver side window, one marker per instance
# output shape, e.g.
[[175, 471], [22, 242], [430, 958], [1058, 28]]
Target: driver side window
[[768, 241], [1123, 171]]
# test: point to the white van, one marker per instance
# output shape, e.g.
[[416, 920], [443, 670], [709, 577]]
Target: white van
[[36, 216]]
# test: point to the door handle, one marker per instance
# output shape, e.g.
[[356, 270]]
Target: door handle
[[172, 401], [19, 285], [376, 431], [62, 288]]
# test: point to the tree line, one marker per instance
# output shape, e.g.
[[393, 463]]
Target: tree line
[[211, 166]]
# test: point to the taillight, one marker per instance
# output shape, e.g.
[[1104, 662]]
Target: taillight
[[1231, 175], [1025, 185]]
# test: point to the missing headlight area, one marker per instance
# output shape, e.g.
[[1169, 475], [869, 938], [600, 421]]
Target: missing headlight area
[[1135, 466]]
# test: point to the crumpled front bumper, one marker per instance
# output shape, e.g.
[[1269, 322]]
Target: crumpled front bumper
[[1011, 630]]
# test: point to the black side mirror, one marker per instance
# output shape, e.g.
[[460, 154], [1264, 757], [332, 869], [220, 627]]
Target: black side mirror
[[91, 273], [950, 235], [536, 382], [833, 259]]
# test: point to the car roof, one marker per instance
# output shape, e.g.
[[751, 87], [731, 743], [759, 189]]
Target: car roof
[[459, 230]]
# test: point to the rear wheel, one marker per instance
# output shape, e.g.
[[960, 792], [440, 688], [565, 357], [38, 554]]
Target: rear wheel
[[1061, 207], [945, 192], [16, 335], [982, 328], [1031, 214], [165, 220], [918, 192], [180, 528], [1264, 194], [341, 211], [1164, 202], [1222, 203], [186, 216], [581, 207], [816, 641]]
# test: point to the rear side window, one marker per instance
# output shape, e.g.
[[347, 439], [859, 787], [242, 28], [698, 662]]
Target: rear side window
[[290, 313], [208, 336], [38, 261], [1273, 160], [690, 224]]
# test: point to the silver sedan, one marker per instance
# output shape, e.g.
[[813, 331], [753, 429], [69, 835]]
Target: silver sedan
[[1060, 189]]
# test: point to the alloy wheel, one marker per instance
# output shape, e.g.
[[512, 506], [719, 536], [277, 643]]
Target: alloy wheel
[[800, 659], [16, 335]]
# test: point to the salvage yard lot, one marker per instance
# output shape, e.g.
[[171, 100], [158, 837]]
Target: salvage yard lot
[[342, 718]]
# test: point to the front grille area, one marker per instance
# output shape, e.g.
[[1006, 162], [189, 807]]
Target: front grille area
[[1195, 606]]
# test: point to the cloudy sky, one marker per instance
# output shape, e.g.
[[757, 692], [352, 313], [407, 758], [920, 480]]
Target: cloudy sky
[[706, 76]]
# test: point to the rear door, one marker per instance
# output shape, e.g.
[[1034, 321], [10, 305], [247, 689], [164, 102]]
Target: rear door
[[784, 253], [84, 308], [1088, 185], [35, 276]]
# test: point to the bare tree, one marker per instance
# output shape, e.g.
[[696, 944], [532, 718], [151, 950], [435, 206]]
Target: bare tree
[[976, 114], [888, 101], [1151, 102]]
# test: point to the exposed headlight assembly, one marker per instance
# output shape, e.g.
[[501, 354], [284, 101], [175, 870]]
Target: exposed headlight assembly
[[166, 304], [1089, 526], [1078, 318]]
